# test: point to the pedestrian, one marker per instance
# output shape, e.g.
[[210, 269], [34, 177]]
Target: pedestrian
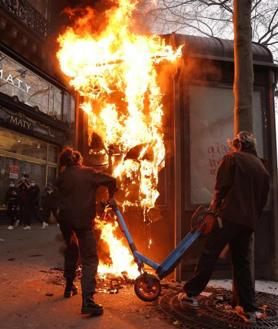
[[33, 203], [48, 204], [240, 194], [77, 187], [23, 202], [11, 200]]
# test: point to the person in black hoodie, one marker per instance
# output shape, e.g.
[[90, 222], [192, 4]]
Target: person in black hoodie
[[11, 200], [23, 201], [77, 187], [240, 194]]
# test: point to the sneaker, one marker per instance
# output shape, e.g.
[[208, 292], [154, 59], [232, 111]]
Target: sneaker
[[10, 227], [89, 306], [17, 222], [250, 316], [44, 225], [185, 299], [27, 227], [70, 290]]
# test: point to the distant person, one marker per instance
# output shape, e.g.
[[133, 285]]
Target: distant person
[[34, 203], [48, 204], [77, 187], [23, 201], [11, 200], [240, 194]]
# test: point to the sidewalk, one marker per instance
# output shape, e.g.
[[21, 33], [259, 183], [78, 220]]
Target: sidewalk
[[31, 290], [32, 286]]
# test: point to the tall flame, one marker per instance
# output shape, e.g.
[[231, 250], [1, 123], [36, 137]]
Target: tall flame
[[121, 258], [115, 70]]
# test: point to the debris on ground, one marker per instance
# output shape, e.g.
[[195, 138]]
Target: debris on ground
[[49, 294]]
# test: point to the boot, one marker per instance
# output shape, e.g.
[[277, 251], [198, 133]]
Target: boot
[[89, 306], [70, 290]]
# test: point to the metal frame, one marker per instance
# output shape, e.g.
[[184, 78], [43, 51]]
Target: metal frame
[[170, 262]]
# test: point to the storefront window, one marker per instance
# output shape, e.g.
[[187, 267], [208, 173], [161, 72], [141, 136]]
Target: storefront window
[[52, 174], [68, 108], [20, 154], [31, 89], [22, 145], [52, 153]]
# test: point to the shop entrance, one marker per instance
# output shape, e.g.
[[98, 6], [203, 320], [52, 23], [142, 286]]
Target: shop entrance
[[21, 154]]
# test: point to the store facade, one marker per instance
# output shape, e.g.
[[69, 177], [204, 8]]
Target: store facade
[[37, 117]]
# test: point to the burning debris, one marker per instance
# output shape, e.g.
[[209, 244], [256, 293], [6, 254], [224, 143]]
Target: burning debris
[[116, 71]]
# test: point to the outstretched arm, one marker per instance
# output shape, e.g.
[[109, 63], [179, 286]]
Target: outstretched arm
[[101, 179]]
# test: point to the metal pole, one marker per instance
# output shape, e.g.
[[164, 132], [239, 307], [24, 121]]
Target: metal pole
[[177, 161]]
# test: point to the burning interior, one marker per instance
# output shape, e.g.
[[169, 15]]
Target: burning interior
[[117, 73]]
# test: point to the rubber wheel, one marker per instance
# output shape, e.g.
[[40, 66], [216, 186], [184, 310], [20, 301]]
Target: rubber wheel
[[147, 287]]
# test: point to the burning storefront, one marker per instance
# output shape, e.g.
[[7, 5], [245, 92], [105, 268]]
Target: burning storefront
[[156, 113]]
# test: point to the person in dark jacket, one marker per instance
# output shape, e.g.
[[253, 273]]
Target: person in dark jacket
[[241, 190], [11, 200], [23, 201], [33, 203], [49, 204], [77, 187]]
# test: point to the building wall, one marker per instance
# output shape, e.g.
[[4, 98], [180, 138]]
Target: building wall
[[37, 112]]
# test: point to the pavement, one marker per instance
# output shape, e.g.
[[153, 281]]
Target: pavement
[[31, 286]]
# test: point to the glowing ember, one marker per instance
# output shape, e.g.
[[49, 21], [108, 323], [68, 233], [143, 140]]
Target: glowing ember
[[115, 70]]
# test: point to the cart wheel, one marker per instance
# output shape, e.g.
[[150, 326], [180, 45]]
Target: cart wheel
[[147, 287]]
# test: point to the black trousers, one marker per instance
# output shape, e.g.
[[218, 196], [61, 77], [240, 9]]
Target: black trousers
[[12, 212], [34, 214], [80, 242], [241, 242]]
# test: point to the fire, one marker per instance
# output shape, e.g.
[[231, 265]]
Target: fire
[[115, 70], [121, 258]]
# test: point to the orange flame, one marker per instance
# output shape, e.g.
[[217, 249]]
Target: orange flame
[[122, 260], [115, 70]]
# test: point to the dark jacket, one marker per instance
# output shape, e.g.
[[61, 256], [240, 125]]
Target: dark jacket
[[11, 195], [49, 199], [77, 187], [241, 189], [34, 195], [22, 193]]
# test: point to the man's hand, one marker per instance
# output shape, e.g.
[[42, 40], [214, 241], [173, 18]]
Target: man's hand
[[213, 206], [112, 203]]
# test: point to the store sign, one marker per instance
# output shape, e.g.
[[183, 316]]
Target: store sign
[[20, 122], [15, 81], [26, 124], [14, 172]]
